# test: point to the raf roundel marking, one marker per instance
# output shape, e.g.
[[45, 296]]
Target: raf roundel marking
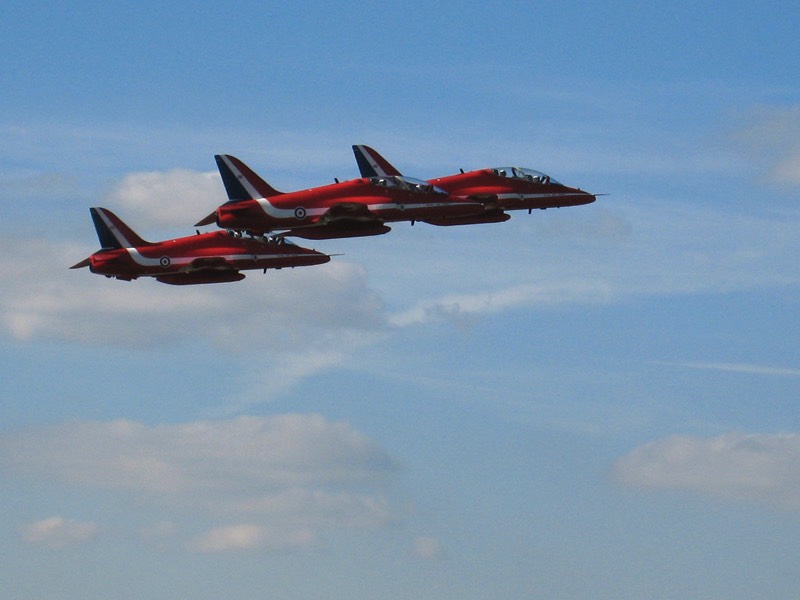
[[300, 213], [164, 261]]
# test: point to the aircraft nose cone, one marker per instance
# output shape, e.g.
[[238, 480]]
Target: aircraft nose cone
[[586, 197]]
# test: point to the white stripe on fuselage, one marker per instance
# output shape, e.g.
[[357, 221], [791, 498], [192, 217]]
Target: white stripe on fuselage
[[287, 213], [290, 213], [533, 196], [182, 261]]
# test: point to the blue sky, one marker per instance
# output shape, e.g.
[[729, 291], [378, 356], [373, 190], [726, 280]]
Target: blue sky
[[597, 401]]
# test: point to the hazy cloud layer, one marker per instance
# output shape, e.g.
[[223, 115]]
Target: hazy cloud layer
[[428, 547], [762, 468], [656, 249], [249, 536], [282, 477], [305, 321], [591, 254]]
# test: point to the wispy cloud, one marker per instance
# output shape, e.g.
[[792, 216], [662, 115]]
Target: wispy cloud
[[456, 308], [58, 532], [763, 468], [735, 368]]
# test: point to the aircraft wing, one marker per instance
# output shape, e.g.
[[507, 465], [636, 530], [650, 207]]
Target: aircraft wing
[[346, 219], [352, 212], [485, 198], [209, 263]]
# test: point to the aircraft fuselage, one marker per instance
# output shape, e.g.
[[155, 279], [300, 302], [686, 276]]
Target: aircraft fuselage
[[213, 257], [345, 208], [513, 189]]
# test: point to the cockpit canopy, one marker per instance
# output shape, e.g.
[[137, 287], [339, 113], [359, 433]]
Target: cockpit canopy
[[526, 174], [264, 239], [407, 183]]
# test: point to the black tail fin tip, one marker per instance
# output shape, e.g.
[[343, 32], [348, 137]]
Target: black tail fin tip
[[108, 240], [233, 186], [112, 231], [364, 166]]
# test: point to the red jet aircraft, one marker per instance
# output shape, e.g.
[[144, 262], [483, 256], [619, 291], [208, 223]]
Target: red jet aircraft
[[498, 189], [359, 207], [214, 257]]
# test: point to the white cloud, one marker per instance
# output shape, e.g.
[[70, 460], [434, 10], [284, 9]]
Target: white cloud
[[242, 458], [428, 547], [762, 468], [298, 321], [174, 198], [249, 536], [58, 532], [40, 298], [286, 474]]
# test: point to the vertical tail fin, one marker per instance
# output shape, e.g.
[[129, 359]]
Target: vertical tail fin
[[112, 232], [372, 164], [241, 183]]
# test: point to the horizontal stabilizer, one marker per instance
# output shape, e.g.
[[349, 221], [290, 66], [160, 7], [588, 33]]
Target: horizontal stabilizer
[[84, 263], [212, 218]]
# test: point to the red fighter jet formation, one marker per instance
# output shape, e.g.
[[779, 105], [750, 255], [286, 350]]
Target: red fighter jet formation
[[360, 207]]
